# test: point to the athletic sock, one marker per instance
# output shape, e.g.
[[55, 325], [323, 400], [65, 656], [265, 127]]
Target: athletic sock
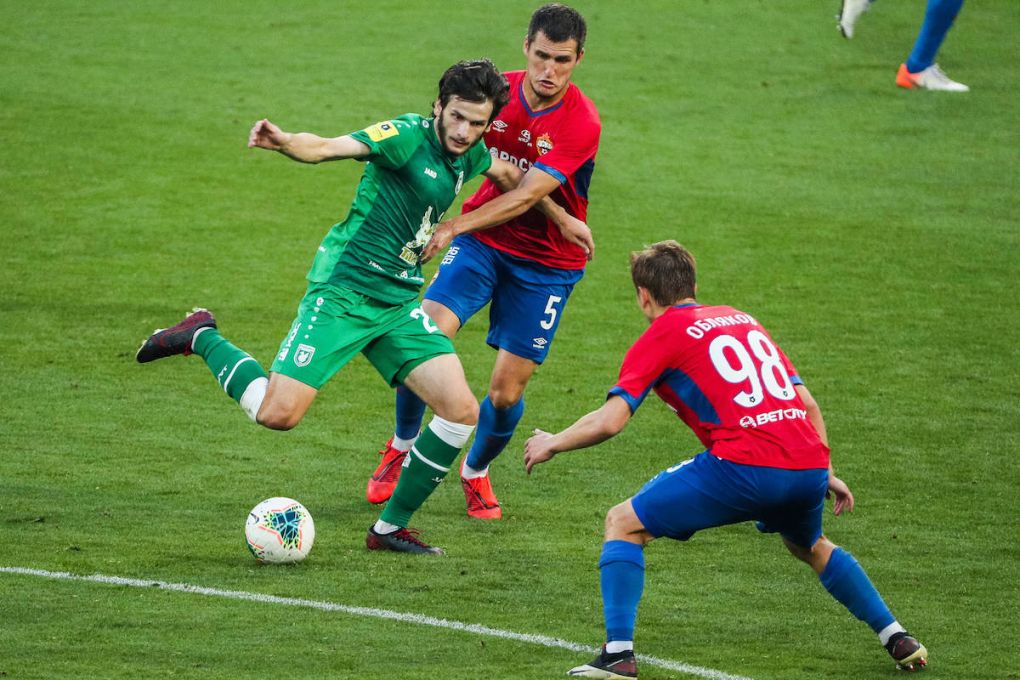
[[237, 373], [886, 633], [938, 18], [622, 567], [425, 466], [495, 428], [410, 411], [846, 581]]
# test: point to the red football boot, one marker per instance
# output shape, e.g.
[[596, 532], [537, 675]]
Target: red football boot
[[384, 480]]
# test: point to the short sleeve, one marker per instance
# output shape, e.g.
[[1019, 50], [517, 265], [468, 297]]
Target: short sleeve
[[479, 160], [643, 367], [574, 145], [391, 143]]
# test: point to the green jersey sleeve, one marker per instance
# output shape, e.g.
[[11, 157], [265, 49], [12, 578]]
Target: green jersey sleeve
[[391, 143], [479, 160]]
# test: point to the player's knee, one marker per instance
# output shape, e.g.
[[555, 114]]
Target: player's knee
[[503, 397], [463, 410], [276, 418], [817, 556], [622, 523]]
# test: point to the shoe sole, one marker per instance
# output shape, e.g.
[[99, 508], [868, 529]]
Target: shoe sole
[[915, 661], [598, 673], [489, 513], [373, 542]]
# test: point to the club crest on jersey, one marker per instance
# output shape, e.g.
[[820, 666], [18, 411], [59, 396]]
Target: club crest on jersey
[[544, 144], [381, 131], [303, 355]]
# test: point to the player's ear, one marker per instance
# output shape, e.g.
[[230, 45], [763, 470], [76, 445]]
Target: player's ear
[[527, 45], [437, 108], [579, 55]]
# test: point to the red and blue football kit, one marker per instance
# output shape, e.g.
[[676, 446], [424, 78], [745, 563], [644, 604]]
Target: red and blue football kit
[[722, 374], [525, 267], [561, 140]]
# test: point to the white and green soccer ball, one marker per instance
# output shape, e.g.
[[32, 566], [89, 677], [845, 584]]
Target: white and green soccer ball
[[279, 530]]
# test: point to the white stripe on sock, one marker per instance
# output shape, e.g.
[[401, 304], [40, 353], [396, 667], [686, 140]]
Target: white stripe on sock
[[233, 371], [191, 346], [427, 461]]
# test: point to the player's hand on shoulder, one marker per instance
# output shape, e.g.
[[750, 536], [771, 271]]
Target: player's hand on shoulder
[[844, 498], [265, 135], [537, 449], [578, 233]]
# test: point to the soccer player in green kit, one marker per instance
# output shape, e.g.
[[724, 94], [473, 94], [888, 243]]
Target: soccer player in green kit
[[363, 286]]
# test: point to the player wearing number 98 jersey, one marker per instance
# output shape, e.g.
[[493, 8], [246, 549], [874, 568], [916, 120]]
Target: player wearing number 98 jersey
[[766, 457], [722, 374]]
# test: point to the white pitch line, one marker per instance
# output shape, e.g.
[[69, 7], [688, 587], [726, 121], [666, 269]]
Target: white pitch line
[[543, 640]]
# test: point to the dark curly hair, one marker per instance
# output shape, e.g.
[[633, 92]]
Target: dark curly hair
[[475, 81]]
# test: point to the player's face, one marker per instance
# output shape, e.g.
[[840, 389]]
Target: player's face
[[550, 65], [460, 124]]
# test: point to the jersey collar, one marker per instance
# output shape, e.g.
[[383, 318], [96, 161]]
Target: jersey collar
[[536, 114]]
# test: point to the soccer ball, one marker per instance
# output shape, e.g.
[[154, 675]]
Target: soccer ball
[[279, 530]]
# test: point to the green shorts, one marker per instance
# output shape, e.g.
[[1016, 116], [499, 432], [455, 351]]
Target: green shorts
[[335, 323]]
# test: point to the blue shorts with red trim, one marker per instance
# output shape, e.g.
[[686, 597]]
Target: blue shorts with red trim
[[527, 297], [707, 491]]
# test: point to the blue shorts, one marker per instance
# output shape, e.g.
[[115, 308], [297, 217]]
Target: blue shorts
[[527, 297], [707, 491]]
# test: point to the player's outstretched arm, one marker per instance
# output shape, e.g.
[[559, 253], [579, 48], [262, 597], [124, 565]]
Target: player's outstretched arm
[[533, 188], [589, 430], [304, 146]]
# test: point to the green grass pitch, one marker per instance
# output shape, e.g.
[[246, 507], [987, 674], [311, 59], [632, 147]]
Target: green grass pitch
[[873, 230]]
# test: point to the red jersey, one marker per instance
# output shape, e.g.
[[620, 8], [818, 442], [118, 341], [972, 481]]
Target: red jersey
[[562, 141], [722, 374]]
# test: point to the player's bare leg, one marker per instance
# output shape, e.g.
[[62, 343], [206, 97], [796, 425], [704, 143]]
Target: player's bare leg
[[410, 410], [440, 382], [286, 402], [846, 581]]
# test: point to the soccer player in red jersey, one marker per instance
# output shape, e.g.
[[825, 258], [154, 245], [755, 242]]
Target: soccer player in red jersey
[[527, 266], [766, 457]]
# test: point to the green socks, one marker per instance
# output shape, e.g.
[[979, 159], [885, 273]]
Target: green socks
[[425, 467], [238, 374]]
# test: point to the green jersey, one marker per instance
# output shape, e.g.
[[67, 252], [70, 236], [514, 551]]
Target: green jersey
[[408, 184]]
